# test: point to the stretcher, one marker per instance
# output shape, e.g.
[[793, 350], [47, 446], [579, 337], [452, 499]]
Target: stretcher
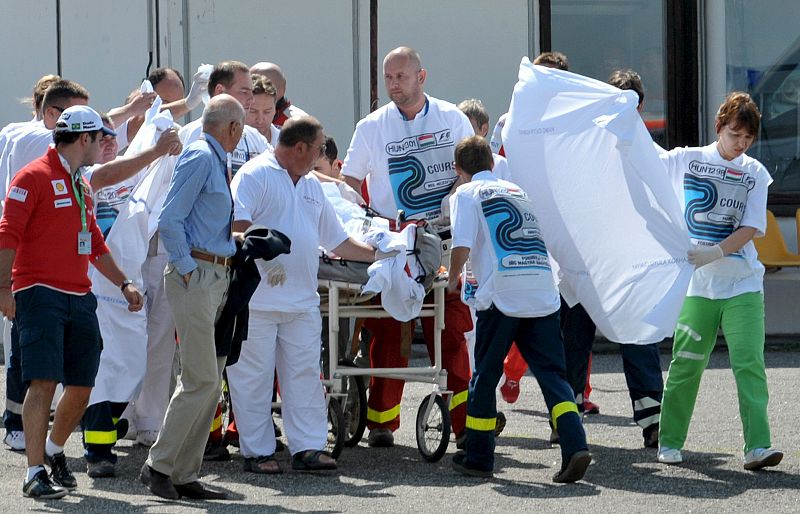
[[345, 383]]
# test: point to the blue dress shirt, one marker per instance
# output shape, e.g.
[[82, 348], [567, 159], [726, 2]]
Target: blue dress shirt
[[198, 209]]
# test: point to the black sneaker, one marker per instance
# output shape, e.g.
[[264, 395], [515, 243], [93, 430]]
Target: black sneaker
[[60, 473], [40, 486], [459, 463]]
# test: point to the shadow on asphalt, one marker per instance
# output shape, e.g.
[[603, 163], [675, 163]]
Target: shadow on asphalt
[[637, 471]]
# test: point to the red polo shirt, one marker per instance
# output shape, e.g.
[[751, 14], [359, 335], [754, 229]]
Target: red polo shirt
[[41, 221]]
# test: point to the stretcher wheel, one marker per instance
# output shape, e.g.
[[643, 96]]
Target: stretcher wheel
[[433, 432], [336, 430], [355, 411]]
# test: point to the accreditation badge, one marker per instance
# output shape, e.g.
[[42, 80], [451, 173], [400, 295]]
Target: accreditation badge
[[84, 243]]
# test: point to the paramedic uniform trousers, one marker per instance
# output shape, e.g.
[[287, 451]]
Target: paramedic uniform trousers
[[742, 320], [287, 343], [539, 340], [15, 388], [99, 425], [383, 406], [640, 362], [578, 331]]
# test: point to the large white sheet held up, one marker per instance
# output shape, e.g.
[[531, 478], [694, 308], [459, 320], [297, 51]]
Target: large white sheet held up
[[124, 357], [609, 215]]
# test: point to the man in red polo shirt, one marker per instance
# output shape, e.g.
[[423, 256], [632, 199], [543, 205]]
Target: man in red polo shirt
[[49, 234]]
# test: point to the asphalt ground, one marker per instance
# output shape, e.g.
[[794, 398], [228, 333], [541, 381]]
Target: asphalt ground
[[624, 477]]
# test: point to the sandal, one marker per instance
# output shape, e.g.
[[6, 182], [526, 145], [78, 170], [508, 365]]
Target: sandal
[[309, 460], [262, 465]]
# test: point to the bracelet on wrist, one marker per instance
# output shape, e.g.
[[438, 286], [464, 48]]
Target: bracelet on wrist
[[125, 283]]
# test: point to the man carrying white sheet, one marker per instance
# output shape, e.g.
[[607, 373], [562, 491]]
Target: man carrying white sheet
[[611, 223]]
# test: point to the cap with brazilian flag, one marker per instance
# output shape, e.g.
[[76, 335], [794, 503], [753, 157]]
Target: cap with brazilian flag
[[81, 118]]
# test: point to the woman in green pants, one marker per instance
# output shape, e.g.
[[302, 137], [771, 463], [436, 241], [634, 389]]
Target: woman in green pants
[[724, 195]]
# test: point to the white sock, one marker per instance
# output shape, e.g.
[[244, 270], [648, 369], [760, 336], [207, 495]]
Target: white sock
[[51, 448], [32, 471]]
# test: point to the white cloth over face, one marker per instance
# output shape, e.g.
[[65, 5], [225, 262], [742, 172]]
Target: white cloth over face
[[124, 357], [608, 212]]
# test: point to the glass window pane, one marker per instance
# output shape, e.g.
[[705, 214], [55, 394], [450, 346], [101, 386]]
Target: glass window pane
[[599, 37], [762, 57]]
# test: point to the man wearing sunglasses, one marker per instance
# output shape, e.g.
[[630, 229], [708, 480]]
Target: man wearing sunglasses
[[278, 191]]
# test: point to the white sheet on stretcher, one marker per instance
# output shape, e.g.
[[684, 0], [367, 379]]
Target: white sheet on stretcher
[[401, 295]]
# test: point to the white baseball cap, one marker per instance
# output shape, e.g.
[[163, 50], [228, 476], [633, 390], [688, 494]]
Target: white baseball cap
[[81, 118]]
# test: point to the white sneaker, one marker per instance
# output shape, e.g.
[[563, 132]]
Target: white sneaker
[[669, 455], [762, 458], [15, 439], [147, 437]]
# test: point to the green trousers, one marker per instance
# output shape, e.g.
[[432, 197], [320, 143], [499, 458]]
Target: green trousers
[[742, 321]]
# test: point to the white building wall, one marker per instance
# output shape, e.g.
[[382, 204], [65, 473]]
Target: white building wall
[[104, 48], [27, 51], [470, 49]]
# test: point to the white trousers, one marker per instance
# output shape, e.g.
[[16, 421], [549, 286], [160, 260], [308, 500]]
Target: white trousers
[[151, 404], [289, 343], [470, 337]]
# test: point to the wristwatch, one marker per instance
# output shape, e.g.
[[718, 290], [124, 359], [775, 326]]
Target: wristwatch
[[124, 283]]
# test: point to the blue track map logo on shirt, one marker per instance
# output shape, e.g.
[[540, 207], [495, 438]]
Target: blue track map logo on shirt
[[715, 196], [415, 189], [514, 231], [421, 172]]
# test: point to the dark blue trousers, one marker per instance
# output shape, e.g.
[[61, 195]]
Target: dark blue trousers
[[539, 342], [99, 425], [641, 364], [15, 388]]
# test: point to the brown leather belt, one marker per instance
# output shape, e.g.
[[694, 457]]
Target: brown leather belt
[[210, 257]]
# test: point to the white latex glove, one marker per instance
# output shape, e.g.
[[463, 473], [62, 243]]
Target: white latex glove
[[276, 275], [379, 255], [702, 255], [198, 89]]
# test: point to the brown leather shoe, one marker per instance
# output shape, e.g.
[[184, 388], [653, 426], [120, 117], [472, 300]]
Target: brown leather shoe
[[199, 491], [158, 483]]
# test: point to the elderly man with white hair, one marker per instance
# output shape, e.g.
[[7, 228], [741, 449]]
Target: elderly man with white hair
[[195, 226]]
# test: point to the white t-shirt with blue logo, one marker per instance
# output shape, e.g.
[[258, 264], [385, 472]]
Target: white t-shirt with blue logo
[[718, 197], [494, 219], [408, 164]]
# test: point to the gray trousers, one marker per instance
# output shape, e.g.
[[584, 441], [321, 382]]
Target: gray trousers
[[178, 451]]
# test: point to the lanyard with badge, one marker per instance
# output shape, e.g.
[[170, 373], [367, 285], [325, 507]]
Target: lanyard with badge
[[84, 236]]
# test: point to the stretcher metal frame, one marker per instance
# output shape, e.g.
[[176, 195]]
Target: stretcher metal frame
[[335, 305]]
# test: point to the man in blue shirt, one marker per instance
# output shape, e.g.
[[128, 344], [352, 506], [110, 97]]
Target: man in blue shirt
[[195, 228]]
